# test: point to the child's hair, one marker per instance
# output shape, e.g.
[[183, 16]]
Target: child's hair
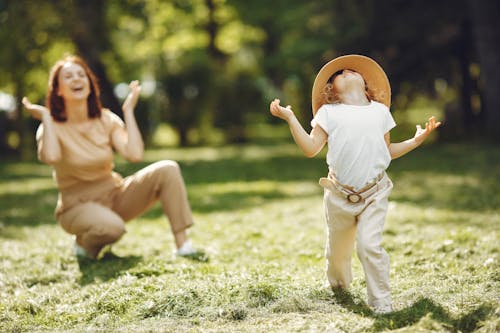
[[330, 96]]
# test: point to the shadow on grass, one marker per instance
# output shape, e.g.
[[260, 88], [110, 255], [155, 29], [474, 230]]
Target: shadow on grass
[[13, 170], [478, 198], [460, 177], [229, 201], [423, 170], [414, 313], [223, 170], [110, 266], [31, 209]]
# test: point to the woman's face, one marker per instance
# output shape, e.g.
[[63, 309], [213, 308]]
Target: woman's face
[[348, 79], [74, 84]]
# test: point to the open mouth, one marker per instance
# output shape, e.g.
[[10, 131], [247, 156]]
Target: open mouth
[[77, 89]]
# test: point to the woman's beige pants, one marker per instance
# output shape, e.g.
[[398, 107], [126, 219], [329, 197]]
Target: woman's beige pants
[[96, 211], [362, 221]]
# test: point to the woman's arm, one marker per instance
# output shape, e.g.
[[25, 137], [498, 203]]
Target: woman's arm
[[48, 150], [310, 144], [129, 143], [401, 148]]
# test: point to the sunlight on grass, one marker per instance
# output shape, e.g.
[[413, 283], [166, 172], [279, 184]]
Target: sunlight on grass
[[250, 152], [26, 186], [259, 215]]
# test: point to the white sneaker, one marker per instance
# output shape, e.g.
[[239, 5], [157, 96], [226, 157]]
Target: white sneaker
[[186, 249], [80, 251]]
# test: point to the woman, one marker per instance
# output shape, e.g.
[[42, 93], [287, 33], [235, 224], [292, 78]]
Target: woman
[[77, 137], [351, 99]]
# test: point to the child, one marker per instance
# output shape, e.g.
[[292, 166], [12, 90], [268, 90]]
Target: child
[[350, 100]]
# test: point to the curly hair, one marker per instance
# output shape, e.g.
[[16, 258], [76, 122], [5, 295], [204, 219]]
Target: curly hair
[[55, 103]]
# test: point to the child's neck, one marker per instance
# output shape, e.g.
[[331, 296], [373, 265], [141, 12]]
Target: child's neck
[[354, 97]]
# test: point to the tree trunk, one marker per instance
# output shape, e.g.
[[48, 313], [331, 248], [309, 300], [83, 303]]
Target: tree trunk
[[87, 29], [486, 28], [19, 123], [212, 28], [183, 135], [4, 147]]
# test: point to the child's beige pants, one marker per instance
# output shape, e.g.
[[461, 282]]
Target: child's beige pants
[[358, 217], [96, 211]]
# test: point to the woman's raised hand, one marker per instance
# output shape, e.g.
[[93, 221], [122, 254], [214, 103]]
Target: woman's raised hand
[[131, 100], [37, 111]]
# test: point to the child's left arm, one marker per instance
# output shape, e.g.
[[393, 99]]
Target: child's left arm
[[399, 149]]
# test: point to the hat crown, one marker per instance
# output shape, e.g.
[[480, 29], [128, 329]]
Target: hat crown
[[372, 73]]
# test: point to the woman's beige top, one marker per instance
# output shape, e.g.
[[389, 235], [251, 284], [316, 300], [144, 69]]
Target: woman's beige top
[[87, 152]]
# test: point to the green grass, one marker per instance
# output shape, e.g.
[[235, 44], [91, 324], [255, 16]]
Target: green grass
[[258, 212]]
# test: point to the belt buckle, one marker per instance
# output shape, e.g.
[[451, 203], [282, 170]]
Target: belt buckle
[[354, 198]]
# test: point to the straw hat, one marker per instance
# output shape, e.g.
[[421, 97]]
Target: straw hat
[[373, 74]]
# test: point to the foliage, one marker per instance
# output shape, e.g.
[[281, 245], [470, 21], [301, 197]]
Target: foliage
[[258, 212], [245, 54]]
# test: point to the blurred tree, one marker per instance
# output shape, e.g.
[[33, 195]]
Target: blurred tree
[[190, 46], [238, 96], [86, 24], [30, 38], [426, 48], [418, 43], [187, 93], [212, 27], [24, 42], [213, 62], [180, 38], [486, 27], [296, 35]]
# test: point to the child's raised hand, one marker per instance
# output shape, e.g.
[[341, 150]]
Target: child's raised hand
[[278, 111], [422, 134]]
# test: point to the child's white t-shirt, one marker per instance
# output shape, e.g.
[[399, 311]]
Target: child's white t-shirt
[[357, 152]]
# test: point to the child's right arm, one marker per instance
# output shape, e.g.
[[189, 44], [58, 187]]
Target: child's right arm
[[310, 144]]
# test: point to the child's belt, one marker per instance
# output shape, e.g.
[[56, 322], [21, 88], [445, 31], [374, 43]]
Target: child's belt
[[331, 183]]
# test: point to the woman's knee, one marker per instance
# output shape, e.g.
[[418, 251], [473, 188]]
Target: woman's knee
[[107, 232], [171, 165], [94, 221], [168, 169]]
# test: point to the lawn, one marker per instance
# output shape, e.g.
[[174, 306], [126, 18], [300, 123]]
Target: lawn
[[258, 212]]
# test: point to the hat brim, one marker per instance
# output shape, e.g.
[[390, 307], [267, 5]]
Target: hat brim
[[374, 76]]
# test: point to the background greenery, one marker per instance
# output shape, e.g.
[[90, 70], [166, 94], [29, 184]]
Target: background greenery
[[209, 68]]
